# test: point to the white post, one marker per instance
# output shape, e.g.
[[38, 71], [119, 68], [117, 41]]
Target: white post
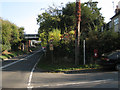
[[84, 50]]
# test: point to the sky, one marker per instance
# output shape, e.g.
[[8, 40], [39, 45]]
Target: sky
[[23, 13]]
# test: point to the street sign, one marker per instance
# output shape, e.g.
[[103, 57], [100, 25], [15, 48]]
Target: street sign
[[51, 47]]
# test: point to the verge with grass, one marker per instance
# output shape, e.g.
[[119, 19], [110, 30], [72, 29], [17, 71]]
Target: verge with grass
[[47, 66], [11, 54]]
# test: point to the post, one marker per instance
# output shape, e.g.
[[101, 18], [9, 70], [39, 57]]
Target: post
[[84, 51], [51, 49], [77, 40], [52, 56]]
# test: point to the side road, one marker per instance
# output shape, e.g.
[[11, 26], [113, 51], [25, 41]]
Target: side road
[[18, 73], [14, 59]]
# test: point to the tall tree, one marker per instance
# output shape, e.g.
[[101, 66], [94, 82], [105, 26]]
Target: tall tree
[[11, 35], [91, 18], [6, 35]]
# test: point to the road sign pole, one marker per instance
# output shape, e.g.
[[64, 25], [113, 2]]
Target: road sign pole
[[52, 56], [51, 49], [84, 51]]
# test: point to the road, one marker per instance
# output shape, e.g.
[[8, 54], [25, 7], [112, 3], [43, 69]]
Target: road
[[16, 74], [23, 74], [78, 80]]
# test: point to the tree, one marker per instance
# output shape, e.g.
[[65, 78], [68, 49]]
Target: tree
[[21, 33], [90, 18], [55, 35], [6, 35], [48, 21], [12, 35], [92, 21], [69, 17]]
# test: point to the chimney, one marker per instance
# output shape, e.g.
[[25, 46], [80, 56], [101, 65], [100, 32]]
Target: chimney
[[117, 10]]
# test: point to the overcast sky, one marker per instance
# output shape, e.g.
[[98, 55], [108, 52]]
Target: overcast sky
[[24, 12]]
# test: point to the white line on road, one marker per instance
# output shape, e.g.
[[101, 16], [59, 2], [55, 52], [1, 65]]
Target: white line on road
[[75, 83], [30, 77], [18, 60]]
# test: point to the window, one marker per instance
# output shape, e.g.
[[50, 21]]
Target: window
[[116, 21]]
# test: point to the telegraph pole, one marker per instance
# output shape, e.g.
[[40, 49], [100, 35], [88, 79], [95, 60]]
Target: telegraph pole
[[78, 32]]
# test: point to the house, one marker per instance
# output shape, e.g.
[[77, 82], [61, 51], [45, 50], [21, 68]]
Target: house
[[115, 20]]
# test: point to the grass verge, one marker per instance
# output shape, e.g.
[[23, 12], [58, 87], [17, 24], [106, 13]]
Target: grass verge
[[46, 65], [11, 54]]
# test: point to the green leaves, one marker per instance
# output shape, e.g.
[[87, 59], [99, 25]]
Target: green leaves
[[43, 39], [11, 34], [55, 36]]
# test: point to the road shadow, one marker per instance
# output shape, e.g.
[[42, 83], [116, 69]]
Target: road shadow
[[24, 65], [8, 61]]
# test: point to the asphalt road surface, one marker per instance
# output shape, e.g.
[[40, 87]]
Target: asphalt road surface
[[16, 73], [22, 74], [78, 80]]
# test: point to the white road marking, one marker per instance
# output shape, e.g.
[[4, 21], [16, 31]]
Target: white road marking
[[18, 60], [46, 85], [30, 77], [115, 72], [75, 83]]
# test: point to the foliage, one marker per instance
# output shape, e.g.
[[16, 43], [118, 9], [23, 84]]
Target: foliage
[[105, 41], [60, 28], [6, 35], [69, 17], [11, 35], [62, 66], [11, 54], [54, 35], [43, 39], [51, 19]]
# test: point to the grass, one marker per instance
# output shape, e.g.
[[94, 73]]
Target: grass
[[46, 65], [3, 57], [12, 54], [15, 53]]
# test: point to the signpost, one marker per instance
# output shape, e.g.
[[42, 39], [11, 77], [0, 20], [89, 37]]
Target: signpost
[[51, 49], [84, 51]]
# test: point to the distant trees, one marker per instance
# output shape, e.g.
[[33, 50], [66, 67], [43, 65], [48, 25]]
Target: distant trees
[[12, 35]]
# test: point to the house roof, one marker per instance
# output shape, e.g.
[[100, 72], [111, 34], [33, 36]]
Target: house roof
[[116, 15]]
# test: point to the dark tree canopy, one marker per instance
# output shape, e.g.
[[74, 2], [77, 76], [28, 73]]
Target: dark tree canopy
[[90, 16]]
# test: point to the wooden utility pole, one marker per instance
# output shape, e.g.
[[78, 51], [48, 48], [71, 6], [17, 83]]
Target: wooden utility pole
[[78, 32]]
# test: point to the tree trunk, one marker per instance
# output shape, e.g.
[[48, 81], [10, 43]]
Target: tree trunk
[[77, 40]]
